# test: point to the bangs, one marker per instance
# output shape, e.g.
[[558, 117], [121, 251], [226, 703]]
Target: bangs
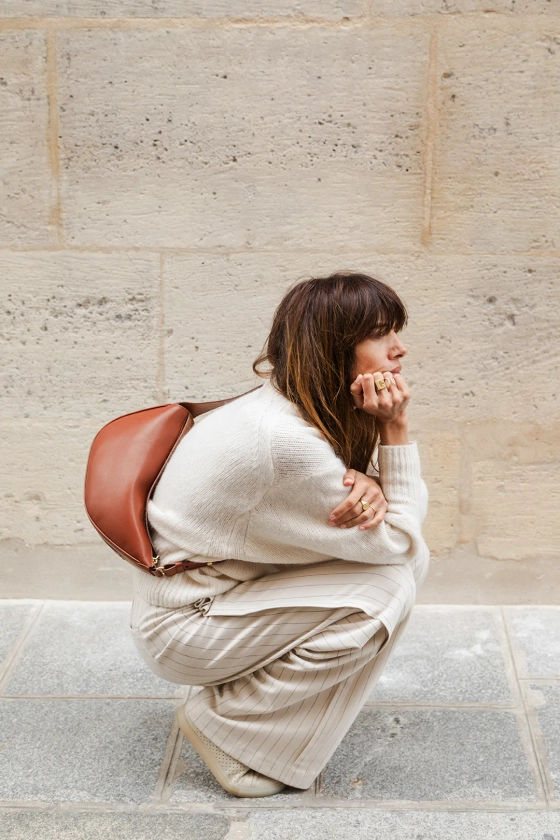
[[372, 308]]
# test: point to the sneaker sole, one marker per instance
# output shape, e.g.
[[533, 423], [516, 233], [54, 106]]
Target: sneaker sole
[[187, 729]]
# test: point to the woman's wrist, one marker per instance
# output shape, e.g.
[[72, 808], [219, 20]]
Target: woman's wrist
[[394, 433]]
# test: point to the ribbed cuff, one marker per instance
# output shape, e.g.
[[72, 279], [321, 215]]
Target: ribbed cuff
[[400, 472]]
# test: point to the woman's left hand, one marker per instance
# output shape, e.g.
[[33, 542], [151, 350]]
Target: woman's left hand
[[350, 513]]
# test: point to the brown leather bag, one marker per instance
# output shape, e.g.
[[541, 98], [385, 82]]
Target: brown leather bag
[[126, 460]]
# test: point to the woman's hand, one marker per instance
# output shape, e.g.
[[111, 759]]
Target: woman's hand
[[388, 405], [350, 513]]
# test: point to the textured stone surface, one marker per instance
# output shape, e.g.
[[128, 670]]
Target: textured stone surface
[[498, 101], [326, 824], [42, 470], [77, 335], [446, 655], [427, 755], [82, 750], [24, 825], [243, 137], [14, 616], [457, 7], [536, 634], [440, 454], [506, 507], [88, 571], [546, 699], [84, 648], [27, 190], [322, 9]]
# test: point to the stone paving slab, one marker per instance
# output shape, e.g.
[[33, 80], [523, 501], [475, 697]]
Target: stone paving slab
[[13, 618], [545, 699], [73, 765], [536, 633], [404, 825], [436, 754], [41, 825], [447, 655], [82, 750], [84, 648]]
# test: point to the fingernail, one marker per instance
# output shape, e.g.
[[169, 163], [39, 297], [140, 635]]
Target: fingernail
[[343, 526]]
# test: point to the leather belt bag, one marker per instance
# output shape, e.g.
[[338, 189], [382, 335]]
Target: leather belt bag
[[125, 462]]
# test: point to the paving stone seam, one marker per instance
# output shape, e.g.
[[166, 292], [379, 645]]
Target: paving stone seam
[[242, 807], [538, 738], [163, 791], [88, 697], [370, 704], [427, 706], [12, 659], [552, 678], [534, 747]]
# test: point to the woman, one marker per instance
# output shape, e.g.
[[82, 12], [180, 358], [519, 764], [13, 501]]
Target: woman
[[306, 592]]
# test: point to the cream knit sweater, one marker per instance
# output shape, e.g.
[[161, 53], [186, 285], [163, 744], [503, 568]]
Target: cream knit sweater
[[253, 484]]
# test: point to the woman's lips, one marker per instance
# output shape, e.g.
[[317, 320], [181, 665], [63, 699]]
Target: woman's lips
[[396, 370]]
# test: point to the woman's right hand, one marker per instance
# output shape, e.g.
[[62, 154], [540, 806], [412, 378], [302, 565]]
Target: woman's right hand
[[388, 405]]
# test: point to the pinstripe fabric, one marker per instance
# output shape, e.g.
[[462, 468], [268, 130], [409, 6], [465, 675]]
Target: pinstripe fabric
[[286, 661]]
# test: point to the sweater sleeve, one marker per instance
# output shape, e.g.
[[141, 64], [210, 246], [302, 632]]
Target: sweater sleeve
[[308, 486]]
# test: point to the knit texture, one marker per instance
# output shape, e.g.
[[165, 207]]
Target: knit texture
[[253, 484]]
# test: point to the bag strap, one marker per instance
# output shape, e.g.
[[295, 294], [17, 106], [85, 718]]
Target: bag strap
[[198, 408]]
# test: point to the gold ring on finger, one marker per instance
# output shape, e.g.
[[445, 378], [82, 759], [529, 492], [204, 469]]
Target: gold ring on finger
[[380, 384], [365, 505]]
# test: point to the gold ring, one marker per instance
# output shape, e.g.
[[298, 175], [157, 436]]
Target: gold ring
[[380, 384], [365, 505]]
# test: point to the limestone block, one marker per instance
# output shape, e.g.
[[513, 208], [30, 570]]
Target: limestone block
[[322, 9], [458, 7], [27, 191], [440, 455], [481, 336], [78, 333], [42, 472], [218, 312], [243, 138], [497, 175], [515, 507]]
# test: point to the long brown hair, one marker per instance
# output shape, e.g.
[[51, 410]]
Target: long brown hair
[[310, 349]]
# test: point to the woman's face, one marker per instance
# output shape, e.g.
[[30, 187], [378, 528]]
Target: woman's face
[[379, 354]]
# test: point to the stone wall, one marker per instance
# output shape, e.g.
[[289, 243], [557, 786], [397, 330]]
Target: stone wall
[[171, 167]]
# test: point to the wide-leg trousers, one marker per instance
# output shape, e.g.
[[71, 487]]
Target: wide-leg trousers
[[282, 684]]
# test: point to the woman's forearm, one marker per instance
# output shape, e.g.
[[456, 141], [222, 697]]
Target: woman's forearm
[[394, 434]]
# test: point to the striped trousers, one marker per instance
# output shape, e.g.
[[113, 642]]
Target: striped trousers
[[282, 684]]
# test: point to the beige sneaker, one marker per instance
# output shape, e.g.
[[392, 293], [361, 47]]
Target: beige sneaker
[[233, 776]]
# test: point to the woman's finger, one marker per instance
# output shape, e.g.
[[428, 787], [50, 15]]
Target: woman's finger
[[377, 517], [350, 477], [371, 399], [363, 517], [348, 508], [372, 495]]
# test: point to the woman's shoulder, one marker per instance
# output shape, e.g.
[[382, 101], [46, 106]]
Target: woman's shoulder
[[297, 446]]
